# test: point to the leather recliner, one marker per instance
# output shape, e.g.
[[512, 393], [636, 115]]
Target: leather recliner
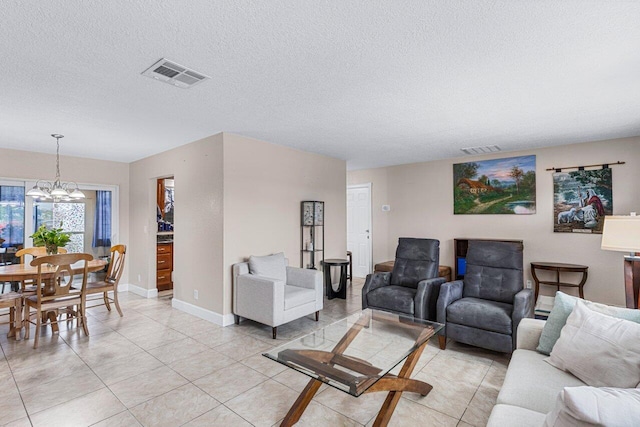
[[412, 287]]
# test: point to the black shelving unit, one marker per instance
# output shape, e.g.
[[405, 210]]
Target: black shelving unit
[[311, 234]]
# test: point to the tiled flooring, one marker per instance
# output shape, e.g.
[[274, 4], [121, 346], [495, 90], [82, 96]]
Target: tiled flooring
[[157, 366]]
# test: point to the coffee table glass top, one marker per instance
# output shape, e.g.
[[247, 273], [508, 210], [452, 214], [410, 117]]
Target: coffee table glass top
[[355, 352]]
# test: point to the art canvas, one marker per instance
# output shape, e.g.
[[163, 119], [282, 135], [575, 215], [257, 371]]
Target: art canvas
[[498, 186], [581, 199]]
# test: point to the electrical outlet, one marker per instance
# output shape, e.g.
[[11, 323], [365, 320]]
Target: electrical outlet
[[528, 284], [195, 294]]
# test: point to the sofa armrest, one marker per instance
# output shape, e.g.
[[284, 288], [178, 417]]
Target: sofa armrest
[[304, 278], [259, 298], [374, 281], [529, 331], [449, 292], [426, 299]]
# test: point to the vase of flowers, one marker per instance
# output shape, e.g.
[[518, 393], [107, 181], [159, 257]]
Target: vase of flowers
[[51, 238]]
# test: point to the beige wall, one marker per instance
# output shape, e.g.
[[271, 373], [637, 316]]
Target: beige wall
[[26, 165], [263, 186], [421, 199], [197, 258]]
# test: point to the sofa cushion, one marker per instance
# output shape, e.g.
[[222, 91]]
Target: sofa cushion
[[600, 350], [295, 296], [481, 314], [532, 383], [514, 416], [272, 266], [613, 407], [396, 298], [562, 307]]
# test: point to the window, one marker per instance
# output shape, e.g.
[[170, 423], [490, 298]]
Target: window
[[11, 215], [70, 216]]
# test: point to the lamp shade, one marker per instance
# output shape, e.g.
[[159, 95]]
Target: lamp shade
[[621, 233]]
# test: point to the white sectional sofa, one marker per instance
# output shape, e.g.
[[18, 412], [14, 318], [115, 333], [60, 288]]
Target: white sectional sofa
[[531, 385]]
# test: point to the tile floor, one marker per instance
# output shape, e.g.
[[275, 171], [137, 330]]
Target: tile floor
[[157, 366]]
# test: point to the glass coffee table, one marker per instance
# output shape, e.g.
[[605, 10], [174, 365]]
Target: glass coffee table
[[355, 355]]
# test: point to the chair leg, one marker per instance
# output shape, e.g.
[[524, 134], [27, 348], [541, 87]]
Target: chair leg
[[105, 297], [115, 301], [317, 316], [274, 331], [442, 340], [25, 320], [83, 317], [38, 321]]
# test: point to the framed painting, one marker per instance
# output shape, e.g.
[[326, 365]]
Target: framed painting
[[497, 186], [581, 199]]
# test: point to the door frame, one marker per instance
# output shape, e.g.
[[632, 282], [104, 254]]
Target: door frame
[[369, 187]]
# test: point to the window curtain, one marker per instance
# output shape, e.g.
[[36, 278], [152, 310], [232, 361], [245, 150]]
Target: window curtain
[[102, 226], [12, 215]]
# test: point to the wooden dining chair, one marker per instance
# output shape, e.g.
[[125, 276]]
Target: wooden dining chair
[[111, 280], [54, 290], [28, 286], [13, 301]]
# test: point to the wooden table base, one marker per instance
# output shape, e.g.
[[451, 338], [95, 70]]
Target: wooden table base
[[395, 385]]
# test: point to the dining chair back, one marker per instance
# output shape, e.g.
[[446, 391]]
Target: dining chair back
[[27, 286], [111, 280], [54, 290]]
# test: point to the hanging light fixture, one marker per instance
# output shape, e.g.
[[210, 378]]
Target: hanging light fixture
[[56, 190]]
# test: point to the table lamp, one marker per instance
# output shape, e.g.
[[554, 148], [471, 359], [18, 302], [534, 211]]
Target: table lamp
[[622, 233]]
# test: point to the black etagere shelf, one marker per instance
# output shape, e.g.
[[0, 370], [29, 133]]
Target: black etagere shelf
[[311, 234]]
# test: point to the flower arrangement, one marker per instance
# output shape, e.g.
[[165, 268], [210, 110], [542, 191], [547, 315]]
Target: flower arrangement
[[51, 238]]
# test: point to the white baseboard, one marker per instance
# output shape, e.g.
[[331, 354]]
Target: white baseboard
[[203, 313], [147, 293]]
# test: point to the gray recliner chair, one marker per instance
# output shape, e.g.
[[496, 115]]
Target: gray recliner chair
[[485, 308], [412, 287]]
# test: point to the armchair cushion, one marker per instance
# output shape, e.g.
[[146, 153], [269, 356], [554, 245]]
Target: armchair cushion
[[494, 270], [295, 296], [273, 266], [396, 298], [416, 260], [482, 314]]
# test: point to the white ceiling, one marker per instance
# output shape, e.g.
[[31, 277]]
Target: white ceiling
[[373, 82]]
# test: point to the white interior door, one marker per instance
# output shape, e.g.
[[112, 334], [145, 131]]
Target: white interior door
[[359, 228]]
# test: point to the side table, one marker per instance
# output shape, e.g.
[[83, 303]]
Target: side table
[[559, 268], [341, 292]]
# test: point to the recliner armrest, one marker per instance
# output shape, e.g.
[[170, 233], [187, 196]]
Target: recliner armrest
[[374, 281], [523, 303], [304, 278], [449, 292], [426, 299]]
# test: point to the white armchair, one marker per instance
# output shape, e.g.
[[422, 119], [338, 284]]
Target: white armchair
[[267, 291]]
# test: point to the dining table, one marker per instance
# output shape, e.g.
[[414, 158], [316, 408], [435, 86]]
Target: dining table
[[24, 272]]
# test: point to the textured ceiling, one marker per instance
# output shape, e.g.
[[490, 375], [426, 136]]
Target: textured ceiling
[[372, 82]]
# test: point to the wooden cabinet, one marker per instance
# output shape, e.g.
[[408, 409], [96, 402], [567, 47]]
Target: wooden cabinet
[[164, 266]]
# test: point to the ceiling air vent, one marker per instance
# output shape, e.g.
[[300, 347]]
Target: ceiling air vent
[[174, 74], [481, 150]]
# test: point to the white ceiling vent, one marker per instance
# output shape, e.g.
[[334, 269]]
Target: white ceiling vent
[[481, 150], [174, 74]]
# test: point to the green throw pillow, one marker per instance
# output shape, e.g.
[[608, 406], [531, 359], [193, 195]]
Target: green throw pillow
[[562, 308]]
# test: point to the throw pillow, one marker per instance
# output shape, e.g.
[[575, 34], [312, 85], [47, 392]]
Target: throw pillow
[[272, 266], [612, 407], [600, 350], [562, 307]]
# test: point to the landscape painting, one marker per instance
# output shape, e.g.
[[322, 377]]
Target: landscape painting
[[581, 199], [498, 186]]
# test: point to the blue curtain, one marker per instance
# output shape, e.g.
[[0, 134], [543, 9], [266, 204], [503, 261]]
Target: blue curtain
[[12, 215], [102, 226]]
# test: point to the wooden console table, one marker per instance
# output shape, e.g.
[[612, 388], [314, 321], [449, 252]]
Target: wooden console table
[[559, 268]]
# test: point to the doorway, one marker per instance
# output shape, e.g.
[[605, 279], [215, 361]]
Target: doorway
[[164, 239], [359, 228]]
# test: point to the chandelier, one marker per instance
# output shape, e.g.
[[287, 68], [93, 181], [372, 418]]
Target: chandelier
[[56, 190]]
